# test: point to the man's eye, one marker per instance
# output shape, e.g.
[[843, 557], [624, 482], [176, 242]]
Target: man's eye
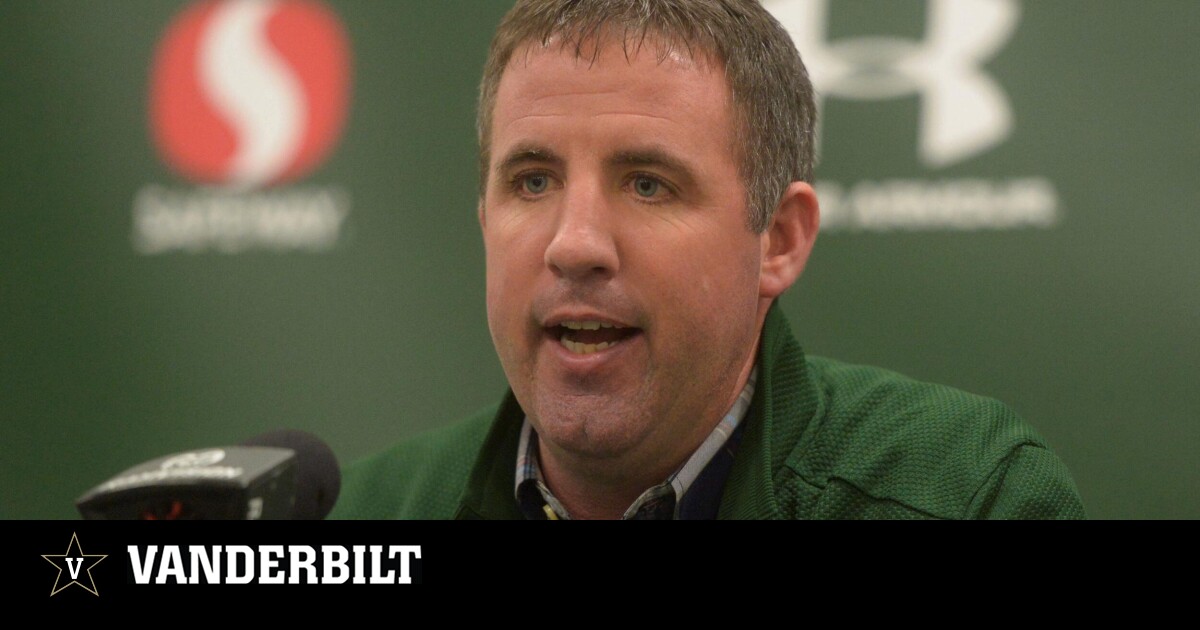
[[646, 186], [535, 184]]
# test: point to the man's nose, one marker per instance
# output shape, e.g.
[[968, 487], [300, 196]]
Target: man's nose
[[584, 246]]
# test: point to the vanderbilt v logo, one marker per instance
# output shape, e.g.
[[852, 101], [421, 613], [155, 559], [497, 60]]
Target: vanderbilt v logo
[[75, 561]]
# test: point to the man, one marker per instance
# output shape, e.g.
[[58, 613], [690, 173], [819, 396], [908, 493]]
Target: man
[[645, 199]]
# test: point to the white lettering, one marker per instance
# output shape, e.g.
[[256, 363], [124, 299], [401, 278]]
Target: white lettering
[[230, 222], [343, 571], [254, 509], [268, 572], [307, 564], [148, 477], [210, 565], [73, 567], [358, 564], [969, 204], [270, 564], [377, 574], [247, 554], [195, 459], [405, 552], [171, 565], [141, 569]]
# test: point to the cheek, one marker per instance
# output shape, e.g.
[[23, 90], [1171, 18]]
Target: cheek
[[497, 284], [718, 271], [505, 321], [721, 291], [502, 298], [512, 267], [706, 295]]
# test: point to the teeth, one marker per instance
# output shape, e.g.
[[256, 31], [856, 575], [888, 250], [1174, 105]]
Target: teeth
[[588, 325], [585, 348]]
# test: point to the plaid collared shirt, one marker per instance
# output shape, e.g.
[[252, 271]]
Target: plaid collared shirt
[[693, 491]]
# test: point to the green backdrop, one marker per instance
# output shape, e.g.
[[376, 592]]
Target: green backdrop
[[1010, 202]]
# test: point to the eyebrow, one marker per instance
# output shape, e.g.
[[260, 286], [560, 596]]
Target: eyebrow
[[525, 153], [654, 156]]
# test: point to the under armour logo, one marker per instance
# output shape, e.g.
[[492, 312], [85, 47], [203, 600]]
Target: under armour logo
[[963, 110]]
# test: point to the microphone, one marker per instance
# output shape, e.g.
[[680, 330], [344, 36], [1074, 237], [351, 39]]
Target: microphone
[[284, 474]]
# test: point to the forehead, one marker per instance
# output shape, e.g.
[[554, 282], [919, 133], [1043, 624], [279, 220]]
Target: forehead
[[646, 84]]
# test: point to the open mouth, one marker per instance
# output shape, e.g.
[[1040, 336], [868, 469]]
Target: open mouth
[[586, 337]]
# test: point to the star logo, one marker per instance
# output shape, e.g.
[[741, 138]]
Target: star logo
[[75, 563]]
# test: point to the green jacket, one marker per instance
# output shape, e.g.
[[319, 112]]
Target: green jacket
[[823, 440]]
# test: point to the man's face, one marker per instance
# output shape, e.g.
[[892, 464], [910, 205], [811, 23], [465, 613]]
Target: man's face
[[622, 279]]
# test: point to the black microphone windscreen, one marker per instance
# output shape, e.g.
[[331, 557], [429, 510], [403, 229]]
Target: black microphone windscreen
[[318, 476]]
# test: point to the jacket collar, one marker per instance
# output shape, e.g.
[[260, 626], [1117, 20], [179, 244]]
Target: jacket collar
[[782, 411], [784, 404]]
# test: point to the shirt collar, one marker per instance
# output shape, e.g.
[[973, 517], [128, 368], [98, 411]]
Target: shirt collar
[[663, 501]]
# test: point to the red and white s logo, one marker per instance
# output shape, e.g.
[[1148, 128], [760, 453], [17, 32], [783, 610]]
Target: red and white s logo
[[248, 93]]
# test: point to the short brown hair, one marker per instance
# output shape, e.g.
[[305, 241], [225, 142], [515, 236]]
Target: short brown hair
[[772, 95]]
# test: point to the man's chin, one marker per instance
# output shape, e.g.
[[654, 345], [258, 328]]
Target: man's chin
[[588, 428]]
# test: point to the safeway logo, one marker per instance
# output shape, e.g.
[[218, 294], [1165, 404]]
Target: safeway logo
[[246, 95], [963, 110], [249, 92]]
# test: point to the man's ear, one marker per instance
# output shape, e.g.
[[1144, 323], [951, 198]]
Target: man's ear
[[479, 211], [789, 239]]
